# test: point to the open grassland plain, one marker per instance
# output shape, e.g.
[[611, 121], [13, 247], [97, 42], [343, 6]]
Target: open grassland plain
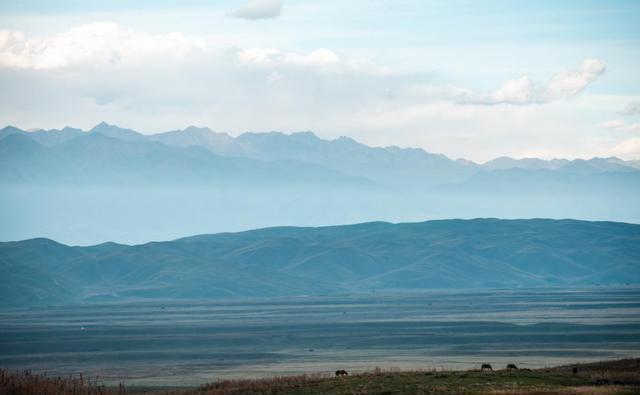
[[612, 377], [177, 344]]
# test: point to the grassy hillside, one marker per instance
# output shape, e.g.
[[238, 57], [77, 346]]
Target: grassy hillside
[[614, 377], [285, 261]]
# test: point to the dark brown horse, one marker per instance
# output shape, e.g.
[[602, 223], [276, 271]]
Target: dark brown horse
[[341, 373], [486, 366], [512, 367]]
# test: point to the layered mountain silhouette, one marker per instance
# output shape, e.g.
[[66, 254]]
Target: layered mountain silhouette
[[305, 152], [284, 261], [195, 180], [387, 166], [114, 157]]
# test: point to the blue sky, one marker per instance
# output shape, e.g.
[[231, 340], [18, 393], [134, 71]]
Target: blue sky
[[467, 79]]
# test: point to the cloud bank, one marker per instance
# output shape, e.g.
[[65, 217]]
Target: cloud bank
[[155, 82], [93, 44]]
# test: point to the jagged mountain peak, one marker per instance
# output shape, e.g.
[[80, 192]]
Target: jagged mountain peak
[[116, 132], [387, 165]]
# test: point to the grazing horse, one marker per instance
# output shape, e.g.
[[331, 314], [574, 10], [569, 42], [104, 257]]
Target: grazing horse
[[512, 367], [574, 370], [486, 366], [341, 373]]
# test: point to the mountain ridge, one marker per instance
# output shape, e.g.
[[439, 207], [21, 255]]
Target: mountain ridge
[[206, 137], [287, 261], [97, 158]]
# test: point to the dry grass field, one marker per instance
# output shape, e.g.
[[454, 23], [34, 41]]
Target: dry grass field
[[611, 377]]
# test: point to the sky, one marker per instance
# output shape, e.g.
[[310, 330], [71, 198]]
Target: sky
[[469, 79]]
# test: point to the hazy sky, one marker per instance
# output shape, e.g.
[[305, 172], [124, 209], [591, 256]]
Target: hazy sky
[[465, 78]]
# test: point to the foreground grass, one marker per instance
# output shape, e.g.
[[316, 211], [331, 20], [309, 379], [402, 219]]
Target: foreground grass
[[614, 377]]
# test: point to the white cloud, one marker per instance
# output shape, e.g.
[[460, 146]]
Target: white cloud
[[631, 109], [613, 124], [522, 90], [108, 44], [321, 60], [271, 57], [620, 125], [258, 9], [93, 44], [518, 91], [627, 149], [570, 83]]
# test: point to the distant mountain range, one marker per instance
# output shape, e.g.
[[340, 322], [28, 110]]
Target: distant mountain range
[[283, 261], [107, 155], [196, 152], [112, 183]]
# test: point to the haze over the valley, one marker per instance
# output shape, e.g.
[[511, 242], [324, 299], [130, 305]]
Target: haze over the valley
[[413, 111], [114, 184]]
